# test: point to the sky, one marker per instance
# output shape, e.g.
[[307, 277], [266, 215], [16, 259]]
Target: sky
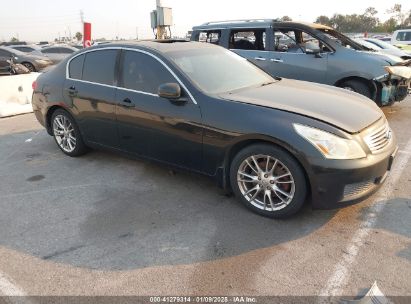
[[48, 19]]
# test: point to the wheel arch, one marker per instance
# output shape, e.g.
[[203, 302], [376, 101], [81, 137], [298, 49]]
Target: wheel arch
[[246, 142], [49, 114], [30, 63], [369, 82]]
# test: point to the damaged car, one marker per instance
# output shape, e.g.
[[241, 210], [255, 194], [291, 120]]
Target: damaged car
[[274, 142], [312, 52]]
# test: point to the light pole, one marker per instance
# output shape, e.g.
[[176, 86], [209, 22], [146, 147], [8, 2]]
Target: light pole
[[161, 18]]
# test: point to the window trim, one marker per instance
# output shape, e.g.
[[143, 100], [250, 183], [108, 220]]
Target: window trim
[[117, 71]]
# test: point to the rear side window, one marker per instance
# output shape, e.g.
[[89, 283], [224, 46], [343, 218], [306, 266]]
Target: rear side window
[[247, 39], [76, 67], [4, 53], [65, 50], [24, 49], [143, 73], [99, 67]]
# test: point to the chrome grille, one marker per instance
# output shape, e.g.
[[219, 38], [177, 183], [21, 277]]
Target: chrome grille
[[379, 139]]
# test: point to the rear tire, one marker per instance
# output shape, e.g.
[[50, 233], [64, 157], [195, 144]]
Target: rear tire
[[268, 181], [67, 134], [358, 87]]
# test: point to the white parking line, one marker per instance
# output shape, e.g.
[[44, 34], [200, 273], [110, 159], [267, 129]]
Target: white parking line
[[341, 273], [8, 288]]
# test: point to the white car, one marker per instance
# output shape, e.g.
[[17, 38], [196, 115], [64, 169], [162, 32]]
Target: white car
[[389, 49], [401, 37]]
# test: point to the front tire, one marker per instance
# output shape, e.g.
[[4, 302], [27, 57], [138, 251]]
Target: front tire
[[358, 87], [268, 181], [67, 134]]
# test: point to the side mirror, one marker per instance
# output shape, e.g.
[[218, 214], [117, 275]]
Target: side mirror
[[169, 91]]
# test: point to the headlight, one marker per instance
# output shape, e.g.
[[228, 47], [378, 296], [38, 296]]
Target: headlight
[[401, 71], [330, 145]]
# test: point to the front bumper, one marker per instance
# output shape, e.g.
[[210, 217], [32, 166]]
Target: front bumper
[[341, 183]]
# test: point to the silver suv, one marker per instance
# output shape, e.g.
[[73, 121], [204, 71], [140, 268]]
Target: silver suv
[[312, 52]]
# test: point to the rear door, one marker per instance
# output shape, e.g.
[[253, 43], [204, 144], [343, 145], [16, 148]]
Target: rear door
[[90, 88], [250, 44], [290, 59], [152, 126]]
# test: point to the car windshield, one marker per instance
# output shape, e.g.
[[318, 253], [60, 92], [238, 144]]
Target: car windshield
[[382, 44], [368, 45], [217, 70], [342, 39]]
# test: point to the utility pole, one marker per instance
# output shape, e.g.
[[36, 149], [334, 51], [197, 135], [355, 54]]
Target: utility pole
[[161, 31], [161, 18]]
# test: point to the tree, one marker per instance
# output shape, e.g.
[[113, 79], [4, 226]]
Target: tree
[[285, 18], [323, 20], [403, 18], [14, 39], [79, 36]]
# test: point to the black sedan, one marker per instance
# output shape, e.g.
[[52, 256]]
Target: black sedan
[[274, 142]]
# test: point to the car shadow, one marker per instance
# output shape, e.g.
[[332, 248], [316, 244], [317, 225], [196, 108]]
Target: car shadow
[[105, 211]]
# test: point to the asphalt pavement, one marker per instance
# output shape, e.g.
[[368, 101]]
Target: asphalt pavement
[[103, 224]]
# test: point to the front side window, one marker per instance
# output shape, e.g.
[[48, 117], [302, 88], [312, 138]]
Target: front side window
[[297, 41], [217, 70], [248, 39], [141, 72], [76, 67], [99, 66]]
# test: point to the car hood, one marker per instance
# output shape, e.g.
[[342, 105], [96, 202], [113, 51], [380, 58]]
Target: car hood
[[343, 109], [383, 58]]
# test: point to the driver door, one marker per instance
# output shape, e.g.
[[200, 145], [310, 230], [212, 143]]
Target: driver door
[[291, 58], [151, 126]]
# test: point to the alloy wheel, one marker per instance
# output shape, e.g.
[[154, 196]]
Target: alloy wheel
[[64, 133], [265, 182]]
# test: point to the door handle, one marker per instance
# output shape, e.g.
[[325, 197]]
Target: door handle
[[260, 58], [72, 91], [128, 103], [277, 60]]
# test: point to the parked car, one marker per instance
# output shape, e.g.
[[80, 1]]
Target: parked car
[[314, 53], [9, 67], [56, 53], [404, 47], [34, 63], [274, 142], [401, 37], [25, 48], [383, 47]]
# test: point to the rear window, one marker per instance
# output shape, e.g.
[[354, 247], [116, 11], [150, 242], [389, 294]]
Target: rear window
[[76, 67], [99, 67], [209, 36]]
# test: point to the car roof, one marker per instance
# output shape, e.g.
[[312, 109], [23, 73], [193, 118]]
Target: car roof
[[161, 46], [257, 23]]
